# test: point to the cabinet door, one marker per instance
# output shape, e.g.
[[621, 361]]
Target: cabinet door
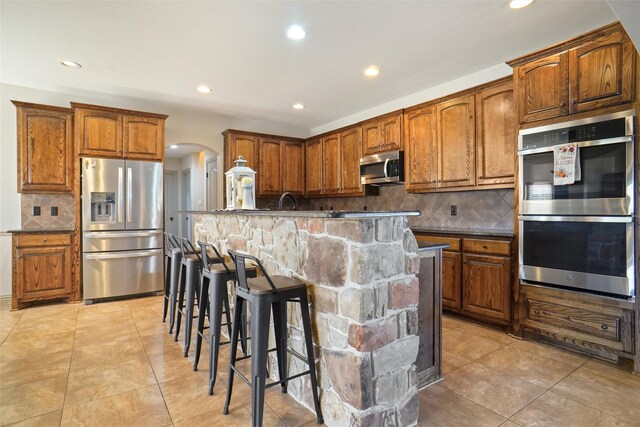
[[451, 280], [314, 163], [143, 137], [487, 286], [45, 151], [456, 143], [391, 133], [270, 167], [496, 132], [43, 272], [420, 149], [371, 138], [293, 167], [99, 133], [543, 88], [247, 147], [601, 73], [351, 144], [332, 164]]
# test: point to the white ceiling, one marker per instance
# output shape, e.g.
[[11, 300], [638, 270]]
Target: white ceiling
[[161, 51]]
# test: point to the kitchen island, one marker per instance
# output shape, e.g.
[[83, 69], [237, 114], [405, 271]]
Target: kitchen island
[[362, 274]]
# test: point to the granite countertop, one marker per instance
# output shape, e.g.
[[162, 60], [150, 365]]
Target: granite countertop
[[46, 231], [474, 232], [306, 214], [428, 246]]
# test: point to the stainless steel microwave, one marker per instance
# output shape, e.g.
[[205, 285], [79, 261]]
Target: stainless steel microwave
[[382, 168]]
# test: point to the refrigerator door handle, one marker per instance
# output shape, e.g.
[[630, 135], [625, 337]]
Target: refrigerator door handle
[[129, 194], [120, 193], [127, 254], [116, 235]]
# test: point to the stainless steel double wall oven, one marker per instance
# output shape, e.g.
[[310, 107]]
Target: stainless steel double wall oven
[[580, 235]]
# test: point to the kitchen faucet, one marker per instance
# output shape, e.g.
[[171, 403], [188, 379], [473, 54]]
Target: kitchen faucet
[[281, 201]]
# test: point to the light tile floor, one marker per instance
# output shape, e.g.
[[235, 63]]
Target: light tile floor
[[114, 364]]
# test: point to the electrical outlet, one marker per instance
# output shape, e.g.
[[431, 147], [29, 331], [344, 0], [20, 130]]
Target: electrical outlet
[[454, 210], [54, 211], [36, 211]]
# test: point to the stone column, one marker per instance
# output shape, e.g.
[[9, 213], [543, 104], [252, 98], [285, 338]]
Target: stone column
[[364, 295]]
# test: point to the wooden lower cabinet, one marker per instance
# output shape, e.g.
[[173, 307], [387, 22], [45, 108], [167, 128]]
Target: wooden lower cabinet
[[476, 276], [487, 286], [41, 267], [592, 324], [451, 280]]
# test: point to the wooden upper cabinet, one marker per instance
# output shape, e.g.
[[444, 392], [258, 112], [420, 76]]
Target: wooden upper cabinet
[[332, 164], [601, 73], [371, 137], [351, 146], [143, 137], [314, 164], [269, 168], [111, 132], [591, 71], [382, 134], [496, 133], [391, 132], [421, 150], [293, 163], [245, 146], [45, 148], [456, 142], [542, 88], [99, 133]]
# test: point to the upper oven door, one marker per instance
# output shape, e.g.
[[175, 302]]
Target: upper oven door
[[594, 253], [606, 187]]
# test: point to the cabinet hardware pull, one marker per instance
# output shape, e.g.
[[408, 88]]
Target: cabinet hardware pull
[[484, 246], [536, 311], [604, 327], [562, 104], [574, 102], [480, 177], [44, 240]]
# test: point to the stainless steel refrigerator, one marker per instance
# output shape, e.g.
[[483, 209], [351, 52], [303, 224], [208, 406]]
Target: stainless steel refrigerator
[[122, 240]]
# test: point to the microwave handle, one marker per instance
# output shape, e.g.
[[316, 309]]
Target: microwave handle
[[386, 172]]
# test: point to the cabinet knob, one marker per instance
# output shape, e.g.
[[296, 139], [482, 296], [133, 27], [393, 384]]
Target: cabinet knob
[[44, 240], [562, 104], [485, 247], [480, 177], [536, 311], [604, 327], [574, 102]]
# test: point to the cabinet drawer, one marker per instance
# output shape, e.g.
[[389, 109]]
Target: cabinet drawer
[[604, 327], [499, 247], [453, 242], [36, 239]]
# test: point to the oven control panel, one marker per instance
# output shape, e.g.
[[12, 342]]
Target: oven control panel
[[587, 132]]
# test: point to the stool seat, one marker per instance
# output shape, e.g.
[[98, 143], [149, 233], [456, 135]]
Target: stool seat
[[260, 285]]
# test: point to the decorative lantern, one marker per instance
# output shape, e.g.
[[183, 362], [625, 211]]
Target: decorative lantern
[[241, 186]]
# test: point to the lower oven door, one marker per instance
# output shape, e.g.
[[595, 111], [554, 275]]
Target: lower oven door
[[590, 253]]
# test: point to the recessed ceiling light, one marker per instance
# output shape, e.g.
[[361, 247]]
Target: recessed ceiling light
[[296, 32], [519, 4], [173, 146], [298, 106], [372, 71], [204, 89], [70, 64]]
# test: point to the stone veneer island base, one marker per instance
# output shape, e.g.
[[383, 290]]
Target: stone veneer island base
[[364, 291]]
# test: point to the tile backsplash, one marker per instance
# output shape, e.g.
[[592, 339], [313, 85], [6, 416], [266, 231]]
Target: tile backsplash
[[63, 202], [478, 209]]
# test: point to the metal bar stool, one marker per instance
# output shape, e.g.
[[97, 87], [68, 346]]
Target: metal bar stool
[[190, 270], [170, 245], [265, 294], [215, 276]]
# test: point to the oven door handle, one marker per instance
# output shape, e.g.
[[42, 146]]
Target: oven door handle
[[549, 218], [581, 144]]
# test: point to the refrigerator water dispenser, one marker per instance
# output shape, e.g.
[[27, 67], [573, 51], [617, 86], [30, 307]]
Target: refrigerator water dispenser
[[103, 207]]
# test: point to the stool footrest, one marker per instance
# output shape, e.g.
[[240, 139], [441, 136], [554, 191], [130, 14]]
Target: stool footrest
[[298, 355]]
